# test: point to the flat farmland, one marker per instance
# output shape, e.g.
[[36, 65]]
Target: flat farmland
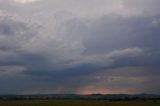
[[78, 103]]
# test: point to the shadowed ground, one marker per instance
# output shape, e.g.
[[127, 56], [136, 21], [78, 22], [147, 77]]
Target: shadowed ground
[[78, 103]]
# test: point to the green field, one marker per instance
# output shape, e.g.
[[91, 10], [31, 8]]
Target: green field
[[78, 103]]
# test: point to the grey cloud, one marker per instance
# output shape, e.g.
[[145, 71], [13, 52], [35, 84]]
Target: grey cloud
[[59, 43], [135, 32], [11, 70], [126, 79], [144, 6]]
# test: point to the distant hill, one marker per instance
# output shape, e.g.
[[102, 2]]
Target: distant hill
[[110, 97]]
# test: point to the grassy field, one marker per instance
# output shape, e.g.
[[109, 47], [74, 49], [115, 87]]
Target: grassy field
[[78, 103]]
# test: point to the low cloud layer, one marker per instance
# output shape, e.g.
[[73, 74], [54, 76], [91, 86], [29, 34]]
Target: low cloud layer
[[78, 46]]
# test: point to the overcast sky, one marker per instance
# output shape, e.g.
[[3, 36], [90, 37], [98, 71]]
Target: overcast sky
[[79, 46]]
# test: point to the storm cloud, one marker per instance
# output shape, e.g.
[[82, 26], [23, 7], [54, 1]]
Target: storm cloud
[[79, 46]]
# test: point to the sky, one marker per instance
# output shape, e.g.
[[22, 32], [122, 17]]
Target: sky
[[79, 46]]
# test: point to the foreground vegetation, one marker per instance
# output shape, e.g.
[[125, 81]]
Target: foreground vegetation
[[78, 103]]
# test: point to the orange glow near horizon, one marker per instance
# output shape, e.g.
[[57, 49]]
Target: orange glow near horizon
[[102, 92]]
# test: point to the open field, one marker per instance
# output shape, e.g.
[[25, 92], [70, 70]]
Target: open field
[[78, 103]]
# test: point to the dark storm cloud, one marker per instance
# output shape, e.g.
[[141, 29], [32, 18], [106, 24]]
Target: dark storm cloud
[[137, 31], [69, 50]]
